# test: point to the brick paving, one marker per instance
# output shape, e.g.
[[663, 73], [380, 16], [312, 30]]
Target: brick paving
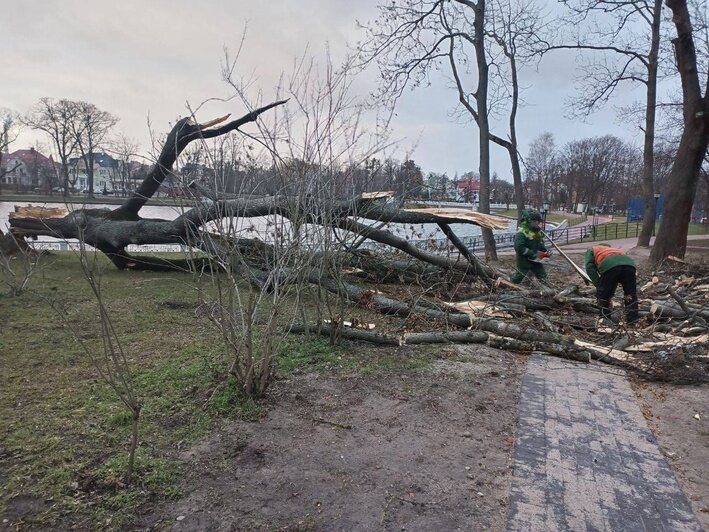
[[585, 459]]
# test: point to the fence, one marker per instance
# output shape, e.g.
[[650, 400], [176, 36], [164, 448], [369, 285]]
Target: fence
[[567, 235]]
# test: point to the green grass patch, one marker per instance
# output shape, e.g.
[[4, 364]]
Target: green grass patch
[[65, 433], [229, 400], [616, 231], [697, 229], [302, 355], [318, 355]]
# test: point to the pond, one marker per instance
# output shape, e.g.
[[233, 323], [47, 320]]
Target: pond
[[264, 228]]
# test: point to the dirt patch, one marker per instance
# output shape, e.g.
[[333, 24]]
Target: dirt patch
[[426, 450], [679, 417], [21, 507]]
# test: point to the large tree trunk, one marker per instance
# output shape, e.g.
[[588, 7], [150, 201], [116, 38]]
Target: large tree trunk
[[484, 125], [649, 142], [682, 185]]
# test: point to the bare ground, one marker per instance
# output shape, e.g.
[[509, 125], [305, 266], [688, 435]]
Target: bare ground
[[403, 451], [679, 417], [424, 450]]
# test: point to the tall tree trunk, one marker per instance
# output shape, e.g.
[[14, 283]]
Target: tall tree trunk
[[483, 124], [90, 172], [684, 176], [65, 175], [512, 148], [649, 143]]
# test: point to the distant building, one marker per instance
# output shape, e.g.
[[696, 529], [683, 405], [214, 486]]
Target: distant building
[[27, 168], [196, 172], [106, 176], [468, 190]]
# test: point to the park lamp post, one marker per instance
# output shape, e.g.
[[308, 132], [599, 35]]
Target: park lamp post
[[654, 220], [545, 210]]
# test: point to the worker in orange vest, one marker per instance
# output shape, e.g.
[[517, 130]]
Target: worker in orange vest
[[608, 266]]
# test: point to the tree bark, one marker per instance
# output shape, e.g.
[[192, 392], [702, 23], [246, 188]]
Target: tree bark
[[684, 176], [483, 124], [649, 140]]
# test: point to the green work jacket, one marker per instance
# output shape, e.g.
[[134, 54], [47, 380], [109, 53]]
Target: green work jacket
[[527, 244], [611, 261]]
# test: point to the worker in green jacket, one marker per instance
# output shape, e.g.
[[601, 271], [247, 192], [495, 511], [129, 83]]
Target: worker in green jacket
[[608, 266], [530, 248]]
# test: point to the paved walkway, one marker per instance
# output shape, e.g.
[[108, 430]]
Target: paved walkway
[[626, 244], [585, 459]]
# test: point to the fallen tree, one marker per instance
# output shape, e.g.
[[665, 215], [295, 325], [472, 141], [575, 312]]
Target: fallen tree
[[537, 318]]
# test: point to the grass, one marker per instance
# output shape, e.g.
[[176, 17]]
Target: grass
[[697, 229], [573, 219], [615, 231], [65, 434], [63, 425]]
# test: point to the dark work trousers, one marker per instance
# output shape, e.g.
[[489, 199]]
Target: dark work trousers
[[625, 275]]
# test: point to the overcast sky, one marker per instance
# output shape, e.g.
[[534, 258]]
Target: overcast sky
[[148, 58]]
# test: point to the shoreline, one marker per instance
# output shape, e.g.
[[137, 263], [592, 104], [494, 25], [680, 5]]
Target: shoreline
[[85, 200]]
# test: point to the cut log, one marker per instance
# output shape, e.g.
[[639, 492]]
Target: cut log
[[669, 341], [607, 354], [451, 337], [39, 212], [500, 282], [667, 309], [377, 195], [479, 309], [356, 324], [351, 334]]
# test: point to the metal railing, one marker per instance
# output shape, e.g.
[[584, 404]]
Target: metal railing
[[566, 235]]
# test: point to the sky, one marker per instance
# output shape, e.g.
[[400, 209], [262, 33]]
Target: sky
[[145, 61]]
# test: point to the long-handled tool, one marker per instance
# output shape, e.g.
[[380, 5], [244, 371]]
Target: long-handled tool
[[582, 273]]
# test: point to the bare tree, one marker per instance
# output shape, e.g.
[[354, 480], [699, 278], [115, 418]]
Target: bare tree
[[414, 37], [9, 131], [540, 167], [514, 26], [18, 263], [502, 191], [600, 171], [57, 118], [125, 149], [410, 39], [110, 362], [683, 179], [619, 54], [90, 128]]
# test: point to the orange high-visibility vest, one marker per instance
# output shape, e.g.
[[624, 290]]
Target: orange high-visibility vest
[[601, 252]]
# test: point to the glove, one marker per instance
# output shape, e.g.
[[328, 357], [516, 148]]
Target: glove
[[543, 255]]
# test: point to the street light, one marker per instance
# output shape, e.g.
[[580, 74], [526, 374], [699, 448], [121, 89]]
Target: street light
[[545, 210], [654, 220]]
